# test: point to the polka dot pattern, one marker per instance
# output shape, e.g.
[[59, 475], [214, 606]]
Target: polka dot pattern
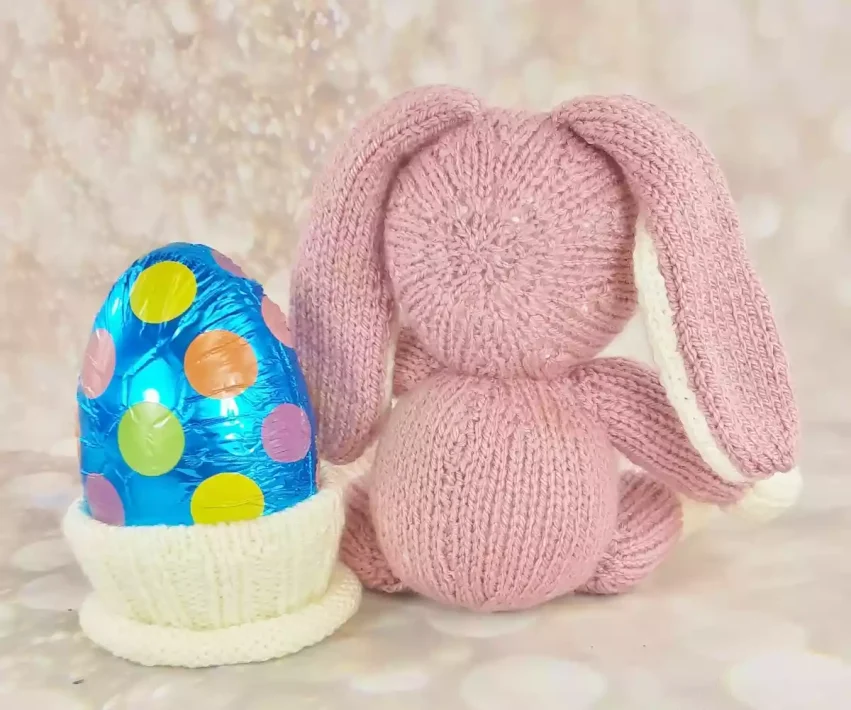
[[228, 264], [150, 438], [286, 433], [203, 418], [276, 321], [162, 292], [227, 498], [104, 502], [220, 364], [98, 363]]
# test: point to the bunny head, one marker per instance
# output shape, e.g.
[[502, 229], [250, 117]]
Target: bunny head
[[513, 244]]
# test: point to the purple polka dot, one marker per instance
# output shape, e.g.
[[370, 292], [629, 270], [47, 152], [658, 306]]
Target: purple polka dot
[[103, 500], [228, 264], [286, 433], [276, 321]]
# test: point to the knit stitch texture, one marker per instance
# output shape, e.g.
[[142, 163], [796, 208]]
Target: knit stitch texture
[[476, 260], [208, 595]]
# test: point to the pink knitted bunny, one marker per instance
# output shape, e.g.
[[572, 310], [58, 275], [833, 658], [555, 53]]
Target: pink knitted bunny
[[479, 259]]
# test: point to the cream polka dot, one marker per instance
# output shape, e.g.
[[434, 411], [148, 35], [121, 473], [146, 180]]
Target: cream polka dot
[[42, 556], [539, 682], [53, 592], [455, 622], [391, 680], [791, 680]]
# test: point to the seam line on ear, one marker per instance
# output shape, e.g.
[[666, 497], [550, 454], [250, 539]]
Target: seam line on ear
[[659, 323]]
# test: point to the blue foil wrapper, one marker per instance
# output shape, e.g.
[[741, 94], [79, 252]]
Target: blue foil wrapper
[[192, 405]]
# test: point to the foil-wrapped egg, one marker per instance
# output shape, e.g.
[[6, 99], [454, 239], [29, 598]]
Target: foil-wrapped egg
[[192, 405]]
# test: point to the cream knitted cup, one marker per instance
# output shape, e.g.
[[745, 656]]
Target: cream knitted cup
[[209, 595]]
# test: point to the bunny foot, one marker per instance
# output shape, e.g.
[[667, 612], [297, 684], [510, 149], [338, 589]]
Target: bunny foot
[[359, 548], [649, 523]]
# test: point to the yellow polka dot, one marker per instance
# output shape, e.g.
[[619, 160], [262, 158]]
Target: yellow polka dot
[[162, 292], [226, 498]]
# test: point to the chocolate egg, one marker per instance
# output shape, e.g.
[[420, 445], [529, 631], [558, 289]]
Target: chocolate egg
[[192, 405]]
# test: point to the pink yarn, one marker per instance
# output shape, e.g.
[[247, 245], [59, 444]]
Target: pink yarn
[[499, 246]]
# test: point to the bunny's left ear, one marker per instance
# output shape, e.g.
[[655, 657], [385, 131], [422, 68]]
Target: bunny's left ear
[[707, 316]]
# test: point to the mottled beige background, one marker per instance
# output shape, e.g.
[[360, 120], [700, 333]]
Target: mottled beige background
[[124, 125]]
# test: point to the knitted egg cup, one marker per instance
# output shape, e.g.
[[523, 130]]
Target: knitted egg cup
[[205, 532], [211, 595], [473, 262]]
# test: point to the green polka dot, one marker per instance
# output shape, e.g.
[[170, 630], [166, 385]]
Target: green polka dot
[[150, 439]]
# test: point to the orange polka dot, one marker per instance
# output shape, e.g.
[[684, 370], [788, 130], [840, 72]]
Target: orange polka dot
[[220, 364]]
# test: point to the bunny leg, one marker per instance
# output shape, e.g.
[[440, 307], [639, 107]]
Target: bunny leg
[[359, 548], [649, 523]]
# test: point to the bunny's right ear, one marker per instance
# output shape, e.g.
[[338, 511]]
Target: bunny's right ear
[[708, 318], [342, 305]]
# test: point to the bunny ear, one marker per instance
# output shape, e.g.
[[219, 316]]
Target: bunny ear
[[708, 319], [342, 305]]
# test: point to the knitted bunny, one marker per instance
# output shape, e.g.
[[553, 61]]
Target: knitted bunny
[[478, 259]]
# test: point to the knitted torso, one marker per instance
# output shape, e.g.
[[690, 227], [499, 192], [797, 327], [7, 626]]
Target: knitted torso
[[493, 492]]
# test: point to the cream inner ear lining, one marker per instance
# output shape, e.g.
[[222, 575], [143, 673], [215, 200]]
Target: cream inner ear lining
[[658, 318]]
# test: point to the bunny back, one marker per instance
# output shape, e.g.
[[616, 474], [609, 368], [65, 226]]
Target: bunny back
[[492, 494]]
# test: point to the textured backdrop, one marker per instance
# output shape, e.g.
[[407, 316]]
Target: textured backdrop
[[131, 124], [125, 125]]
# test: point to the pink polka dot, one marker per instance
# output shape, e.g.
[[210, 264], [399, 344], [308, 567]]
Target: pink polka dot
[[228, 264], [286, 433], [276, 321], [98, 363], [103, 500]]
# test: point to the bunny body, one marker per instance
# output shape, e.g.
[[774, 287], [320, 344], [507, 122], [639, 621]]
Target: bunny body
[[508, 463], [499, 252]]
